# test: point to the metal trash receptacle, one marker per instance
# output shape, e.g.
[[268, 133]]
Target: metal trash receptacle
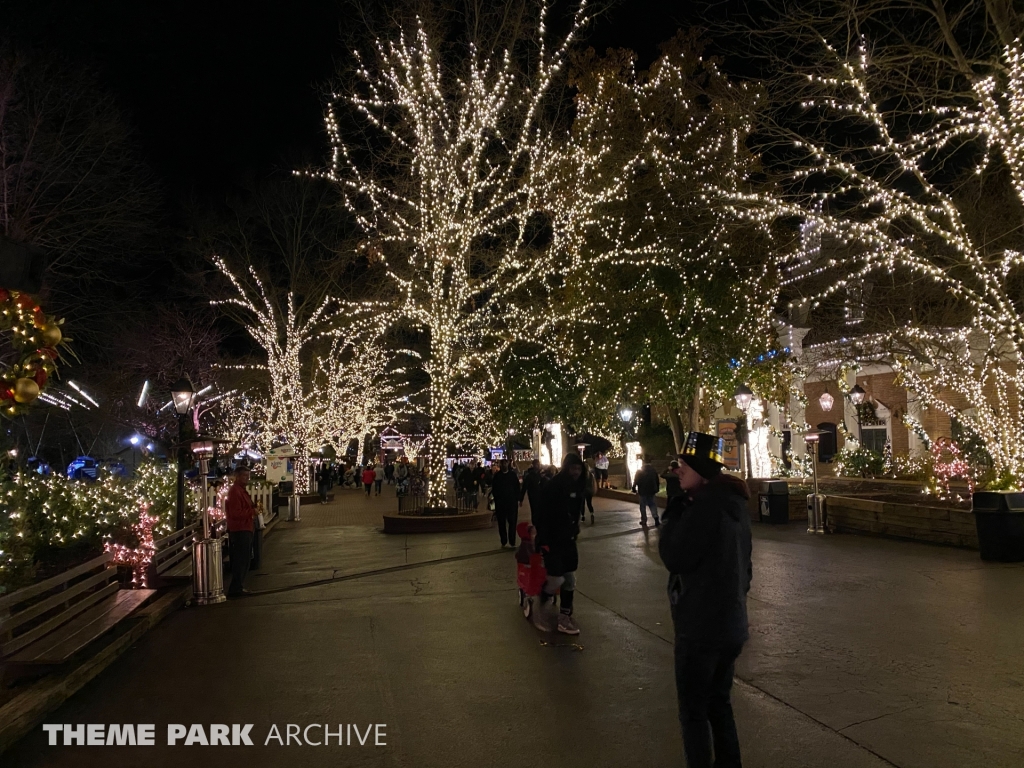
[[999, 517], [295, 508], [773, 502], [207, 572]]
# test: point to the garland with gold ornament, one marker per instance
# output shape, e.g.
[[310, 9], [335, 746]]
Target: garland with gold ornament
[[29, 339]]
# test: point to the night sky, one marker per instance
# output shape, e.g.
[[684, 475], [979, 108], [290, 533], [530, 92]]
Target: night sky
[[221, 92]]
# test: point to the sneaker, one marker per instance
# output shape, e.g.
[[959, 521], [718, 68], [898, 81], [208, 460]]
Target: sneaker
[[567, 625]]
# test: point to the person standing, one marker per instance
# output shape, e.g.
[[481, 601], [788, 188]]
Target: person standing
[[369, 476], [505, 488], [389, 472], [533, 481], [239, 511], [706, 546], [378, 478], [558, 524], [470, 485], [672, 487], [646, 485], [323, 481], [589, 490], [601, 469]]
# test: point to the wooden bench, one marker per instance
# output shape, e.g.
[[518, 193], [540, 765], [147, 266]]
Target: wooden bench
[[172, 556], [49, 622]]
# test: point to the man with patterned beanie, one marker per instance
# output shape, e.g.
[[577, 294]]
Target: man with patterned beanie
[[705, 544]]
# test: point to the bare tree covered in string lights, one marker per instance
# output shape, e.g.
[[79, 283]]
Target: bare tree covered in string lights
[[474, 197], [906, 155]]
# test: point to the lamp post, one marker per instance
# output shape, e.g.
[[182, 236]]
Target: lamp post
[[207, 560], [182, 394], [857, 395], [815, 502], [743, 397]]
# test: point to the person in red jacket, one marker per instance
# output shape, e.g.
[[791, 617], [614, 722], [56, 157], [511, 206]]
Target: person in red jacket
[[369, 476], [239, 511]]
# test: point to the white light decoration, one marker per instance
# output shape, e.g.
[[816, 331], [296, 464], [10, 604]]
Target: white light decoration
[[880, 226], [757, 440], [826, 401], [634, 461], [556, 453]]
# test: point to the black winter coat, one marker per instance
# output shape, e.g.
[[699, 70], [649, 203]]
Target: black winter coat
[[557, 520], [505, 489], [705, 544], [533, 481], [647, 482]]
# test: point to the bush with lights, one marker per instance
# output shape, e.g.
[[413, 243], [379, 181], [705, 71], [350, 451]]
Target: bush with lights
[[53, 523]]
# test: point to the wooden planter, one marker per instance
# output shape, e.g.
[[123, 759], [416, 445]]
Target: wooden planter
[[921, 522]]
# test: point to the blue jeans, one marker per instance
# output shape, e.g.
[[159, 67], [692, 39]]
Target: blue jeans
[[648, 501]]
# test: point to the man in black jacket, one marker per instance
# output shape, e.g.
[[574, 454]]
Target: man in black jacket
[[533, 481], [705, 544], [646, 485], [505, 489], [557, 520]]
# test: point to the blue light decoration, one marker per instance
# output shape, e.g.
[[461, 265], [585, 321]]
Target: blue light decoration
[[771, 354], [83, 468]]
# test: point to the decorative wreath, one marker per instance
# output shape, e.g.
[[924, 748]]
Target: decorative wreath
[[28, 350]]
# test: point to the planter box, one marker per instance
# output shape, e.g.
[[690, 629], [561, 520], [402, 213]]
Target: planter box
[[920, 522], [999, 521]]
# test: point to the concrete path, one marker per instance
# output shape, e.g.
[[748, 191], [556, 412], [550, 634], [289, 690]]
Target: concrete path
[[863, 653]]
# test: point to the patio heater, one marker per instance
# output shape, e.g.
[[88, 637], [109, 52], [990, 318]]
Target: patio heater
[[207, 560], [815, 501]]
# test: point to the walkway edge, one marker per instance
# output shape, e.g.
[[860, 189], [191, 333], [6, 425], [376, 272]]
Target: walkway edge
[[24, 712]]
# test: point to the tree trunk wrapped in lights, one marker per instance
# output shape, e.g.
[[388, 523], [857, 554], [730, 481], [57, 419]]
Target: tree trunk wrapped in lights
[[474, 197], [912, 170]]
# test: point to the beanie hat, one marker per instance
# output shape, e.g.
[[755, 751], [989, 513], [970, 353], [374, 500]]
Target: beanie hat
[[523, 529], [703, 453]]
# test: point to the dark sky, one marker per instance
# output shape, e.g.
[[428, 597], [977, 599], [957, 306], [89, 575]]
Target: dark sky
[[223, 90]]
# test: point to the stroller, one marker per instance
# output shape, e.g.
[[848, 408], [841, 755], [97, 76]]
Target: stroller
[[530, 577]]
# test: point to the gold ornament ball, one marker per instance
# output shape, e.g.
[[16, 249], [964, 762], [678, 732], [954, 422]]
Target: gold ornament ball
[[25, 391], [51, 335]]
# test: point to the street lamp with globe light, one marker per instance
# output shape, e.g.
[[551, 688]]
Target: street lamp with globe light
[[182, 394]]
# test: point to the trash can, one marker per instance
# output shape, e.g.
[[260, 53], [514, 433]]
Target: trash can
[[773, 500], [207, 572], [999, 517], [294, 508]]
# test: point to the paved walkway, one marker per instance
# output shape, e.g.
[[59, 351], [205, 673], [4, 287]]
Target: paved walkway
[[864, 653]]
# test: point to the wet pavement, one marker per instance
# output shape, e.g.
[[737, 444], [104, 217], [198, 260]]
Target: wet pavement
[[864, 652]]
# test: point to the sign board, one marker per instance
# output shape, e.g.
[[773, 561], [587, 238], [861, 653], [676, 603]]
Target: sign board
[[280, 469]]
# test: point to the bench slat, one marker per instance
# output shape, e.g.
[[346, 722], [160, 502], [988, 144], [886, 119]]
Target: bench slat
[[171, 561], [52, 624], [187, 531], [38, 609], [75, 635], [45, 586]]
